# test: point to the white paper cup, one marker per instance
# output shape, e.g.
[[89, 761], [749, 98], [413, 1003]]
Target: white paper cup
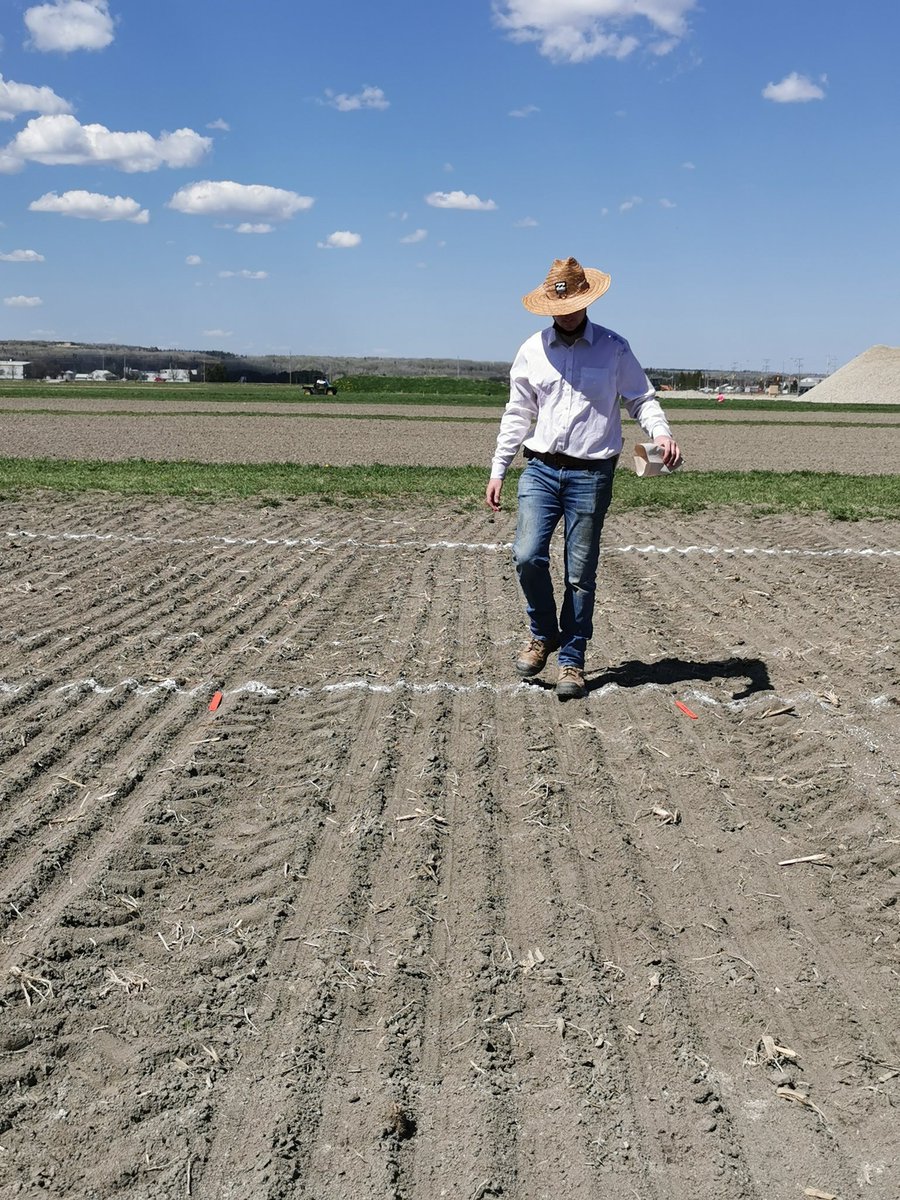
[[648, 460]]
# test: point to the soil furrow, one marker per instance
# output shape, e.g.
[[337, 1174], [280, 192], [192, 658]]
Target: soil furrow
[[315, 1007], [37, 880], [758, 945]]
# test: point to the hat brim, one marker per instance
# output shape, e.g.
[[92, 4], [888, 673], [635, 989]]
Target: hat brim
[[554, 306]]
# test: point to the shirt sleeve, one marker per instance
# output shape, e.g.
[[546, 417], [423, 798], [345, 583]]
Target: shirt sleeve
[[639, 395], [518, 417]]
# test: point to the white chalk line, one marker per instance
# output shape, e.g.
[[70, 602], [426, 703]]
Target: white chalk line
[[205, 690], [316, 543]]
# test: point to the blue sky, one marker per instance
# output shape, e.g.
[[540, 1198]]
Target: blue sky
[[390, 177]]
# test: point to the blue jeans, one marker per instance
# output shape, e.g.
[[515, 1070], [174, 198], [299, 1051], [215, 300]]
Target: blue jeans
[[581, 498]]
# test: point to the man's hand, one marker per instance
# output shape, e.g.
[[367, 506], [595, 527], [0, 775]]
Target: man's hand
[[492, 494], [671, 453]]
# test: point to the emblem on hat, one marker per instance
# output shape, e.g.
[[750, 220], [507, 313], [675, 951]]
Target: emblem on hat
[[568, 287]]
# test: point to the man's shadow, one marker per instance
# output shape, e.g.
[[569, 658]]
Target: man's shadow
[[635, 673], [666, 671]]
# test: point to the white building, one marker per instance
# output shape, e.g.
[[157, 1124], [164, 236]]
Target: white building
[[168, 375], [12, 370], [808, 383]]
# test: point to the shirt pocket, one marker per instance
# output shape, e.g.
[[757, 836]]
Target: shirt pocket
[[598, 383]]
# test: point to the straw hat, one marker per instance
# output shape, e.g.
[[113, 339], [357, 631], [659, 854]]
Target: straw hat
[[568, 287]]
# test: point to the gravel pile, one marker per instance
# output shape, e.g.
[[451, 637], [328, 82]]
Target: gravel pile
[[873, 377]]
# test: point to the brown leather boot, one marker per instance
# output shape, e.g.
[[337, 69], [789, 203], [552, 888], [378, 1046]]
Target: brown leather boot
[[570, 683], [533, 658]]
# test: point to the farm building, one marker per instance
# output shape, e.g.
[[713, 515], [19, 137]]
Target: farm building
[[168, 375], [12, 370], [808, 382]]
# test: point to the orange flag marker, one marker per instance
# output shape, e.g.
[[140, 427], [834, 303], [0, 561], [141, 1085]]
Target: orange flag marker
[[215, 702], [687, 712]]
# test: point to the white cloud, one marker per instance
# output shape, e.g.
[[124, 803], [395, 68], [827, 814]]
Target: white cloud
[[526, 223], [17, 98], [218, 333], [23, 301], [418, 235], [193, 260], [341, 239], [525, 111], [247, 227], [578, 30], [62, 140], [688, 166], [459, 200], [70, 25], [219, 124], [793, 89], [369, 97], [9, 163], [664, 203], [449, 168], [91, 206], [630, 203], [217, 198], [244, 274], [22, 256]]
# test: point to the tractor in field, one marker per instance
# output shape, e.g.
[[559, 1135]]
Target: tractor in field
[[320, 387]]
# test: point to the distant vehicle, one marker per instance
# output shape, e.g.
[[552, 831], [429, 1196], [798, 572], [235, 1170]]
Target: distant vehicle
[[707, 391], [321, 387]]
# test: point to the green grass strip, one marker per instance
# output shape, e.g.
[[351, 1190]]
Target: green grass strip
[[470, 393], [844, 497]]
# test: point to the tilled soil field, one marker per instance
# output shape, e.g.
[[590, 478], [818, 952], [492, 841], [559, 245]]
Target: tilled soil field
[[401, 437], [389, 922], [10, 404]]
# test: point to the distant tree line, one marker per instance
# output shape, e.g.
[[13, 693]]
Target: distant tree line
[[52, 359]]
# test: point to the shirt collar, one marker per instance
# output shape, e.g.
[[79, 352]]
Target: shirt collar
[[553, 338]]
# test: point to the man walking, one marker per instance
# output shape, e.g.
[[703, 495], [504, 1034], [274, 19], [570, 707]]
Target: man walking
[[566, 381]]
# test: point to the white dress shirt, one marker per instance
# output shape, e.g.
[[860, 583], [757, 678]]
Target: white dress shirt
[[571, 396]]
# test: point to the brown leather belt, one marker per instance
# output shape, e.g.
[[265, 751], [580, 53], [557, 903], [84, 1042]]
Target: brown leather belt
[[566, 462]]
